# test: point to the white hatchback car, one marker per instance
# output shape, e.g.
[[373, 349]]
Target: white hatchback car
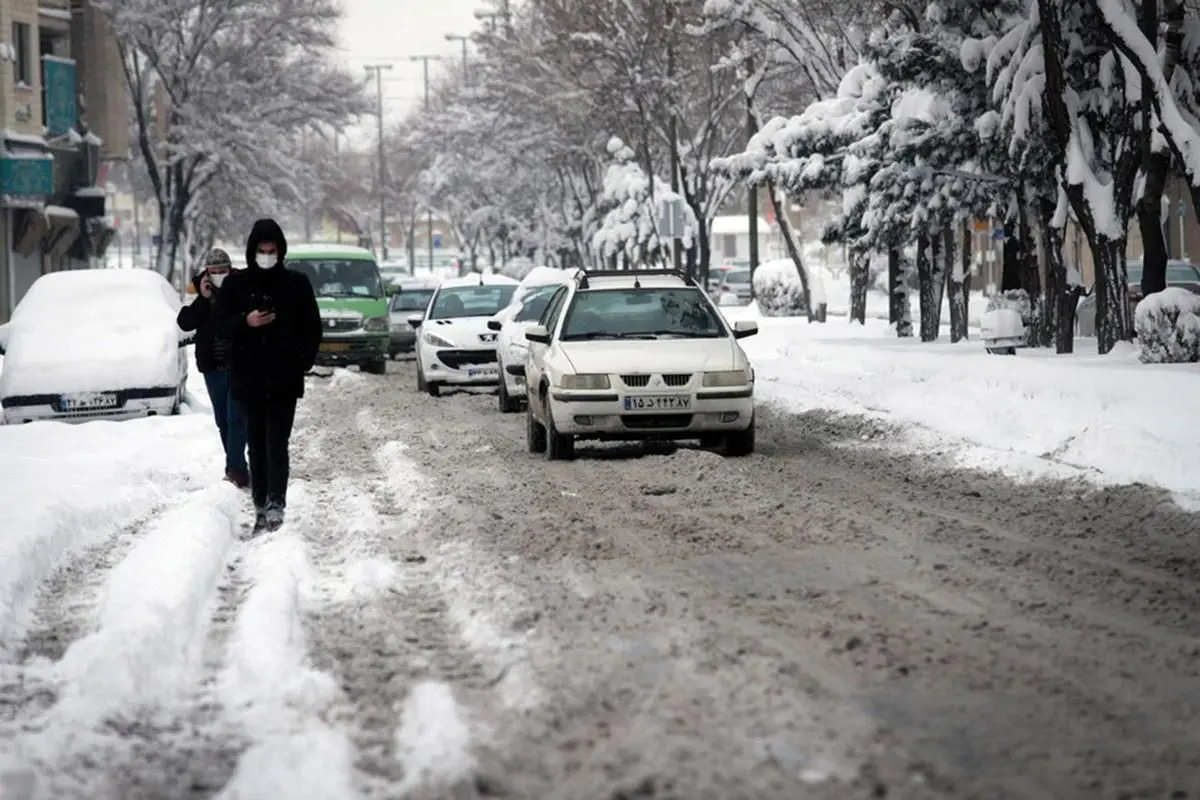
[[455, 347], [94, 344], [638, 354]]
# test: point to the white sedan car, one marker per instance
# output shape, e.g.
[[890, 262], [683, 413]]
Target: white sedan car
[[93, 344], [627, 355], [528, 305], [455, 347]]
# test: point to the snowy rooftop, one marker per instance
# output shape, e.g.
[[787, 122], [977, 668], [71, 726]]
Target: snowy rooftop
[[732, 224]]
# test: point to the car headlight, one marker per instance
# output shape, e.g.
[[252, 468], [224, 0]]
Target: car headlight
[[733, 377], [584, 382], [376, 324], [433, 339]]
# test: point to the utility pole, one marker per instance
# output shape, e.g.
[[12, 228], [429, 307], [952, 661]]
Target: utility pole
[[676, 253], [307, 204], [428, 211], [377, 70], [454, 37], [752, 198]]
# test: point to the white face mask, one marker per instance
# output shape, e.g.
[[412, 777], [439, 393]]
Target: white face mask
[[266, 260], [218, 279]]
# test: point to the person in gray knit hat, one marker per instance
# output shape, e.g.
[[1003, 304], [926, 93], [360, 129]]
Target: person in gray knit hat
[[213, 361]]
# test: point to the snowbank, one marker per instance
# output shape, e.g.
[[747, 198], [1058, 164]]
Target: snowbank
[[1108, 418], [1168, 327], [64, 488], [779, 293], [153, 613]]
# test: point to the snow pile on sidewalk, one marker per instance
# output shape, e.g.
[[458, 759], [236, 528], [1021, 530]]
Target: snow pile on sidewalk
[[66, 487], [1110, 417]]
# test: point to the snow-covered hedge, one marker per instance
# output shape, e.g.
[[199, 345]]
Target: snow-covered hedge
[[1168, 327], [779, 293], [1017, 300]]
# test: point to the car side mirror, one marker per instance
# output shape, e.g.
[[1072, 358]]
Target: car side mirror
[[495, 325], [539, 334], [415, 320], [744, 327]]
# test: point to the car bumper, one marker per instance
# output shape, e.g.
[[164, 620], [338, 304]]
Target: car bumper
[[345, 350], [602, 415], [461, 367], [19, 411]]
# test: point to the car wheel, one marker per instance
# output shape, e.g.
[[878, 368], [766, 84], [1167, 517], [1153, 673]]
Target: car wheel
[[740, 443], [375, 367], [420, 377], [508, 404], [711, 440], [177, 405], [559, 446], [433, 389], [535, 434], [1002, 351]]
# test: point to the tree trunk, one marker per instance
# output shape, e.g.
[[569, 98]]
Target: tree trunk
[[785, 229], [958, 280], [860, 276], [899, 307], [929, 282], [1113, 323]]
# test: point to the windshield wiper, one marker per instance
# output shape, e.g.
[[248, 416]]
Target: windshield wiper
[[595, 335], [680, 334]]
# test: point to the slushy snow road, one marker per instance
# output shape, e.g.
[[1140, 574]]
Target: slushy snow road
[[447, 616]]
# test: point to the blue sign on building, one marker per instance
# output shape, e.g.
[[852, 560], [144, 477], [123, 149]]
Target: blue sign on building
[[60, 94], [437, 241], [27, 177]]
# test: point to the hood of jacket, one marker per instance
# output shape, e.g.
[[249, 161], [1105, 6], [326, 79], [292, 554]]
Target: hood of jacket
[[265, 230]]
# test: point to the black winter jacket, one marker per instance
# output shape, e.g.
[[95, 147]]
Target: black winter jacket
[[269, 361], [212, 351]]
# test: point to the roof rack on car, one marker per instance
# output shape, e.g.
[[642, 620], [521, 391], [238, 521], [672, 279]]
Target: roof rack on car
[[632, 273]]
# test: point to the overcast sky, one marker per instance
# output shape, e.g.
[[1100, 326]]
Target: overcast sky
[[391, 31]]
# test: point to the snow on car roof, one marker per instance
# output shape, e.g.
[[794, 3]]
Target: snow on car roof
[[476, 280], [117, 290], [547, 276]]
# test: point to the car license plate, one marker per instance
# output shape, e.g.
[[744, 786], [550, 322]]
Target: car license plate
[[666, 402], [87, 401], [334, 347], [483, 372]]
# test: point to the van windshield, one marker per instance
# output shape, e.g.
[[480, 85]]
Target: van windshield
[[340, 278]]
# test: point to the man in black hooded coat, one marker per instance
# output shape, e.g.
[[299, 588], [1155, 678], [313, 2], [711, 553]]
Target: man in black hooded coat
[[270, 316]]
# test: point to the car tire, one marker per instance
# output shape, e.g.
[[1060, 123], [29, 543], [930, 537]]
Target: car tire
[[433, 389], [740, 443], [507, 403], [420, 377], [559, 446], [711, 440], [535, 434], [375, 367]]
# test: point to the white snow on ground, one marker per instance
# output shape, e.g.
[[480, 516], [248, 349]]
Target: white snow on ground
[[434, 740], [1108, 418], [66, 487]]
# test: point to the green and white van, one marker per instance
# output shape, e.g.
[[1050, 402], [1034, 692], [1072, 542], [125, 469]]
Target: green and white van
[[353, 302]]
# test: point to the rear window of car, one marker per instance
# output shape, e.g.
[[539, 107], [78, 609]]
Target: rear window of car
[[1182, 273], [738, 276], [641, 314], [411, 299]]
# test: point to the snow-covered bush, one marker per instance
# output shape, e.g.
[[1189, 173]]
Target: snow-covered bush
[[779, 293], [1168, 327], [1018, 300]]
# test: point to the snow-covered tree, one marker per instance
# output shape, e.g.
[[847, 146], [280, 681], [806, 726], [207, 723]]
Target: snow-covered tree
[[220, 90]]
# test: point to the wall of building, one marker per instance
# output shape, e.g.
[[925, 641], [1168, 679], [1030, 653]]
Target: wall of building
[[20, 102]]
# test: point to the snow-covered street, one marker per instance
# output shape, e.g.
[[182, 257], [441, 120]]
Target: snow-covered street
[[844, 613]]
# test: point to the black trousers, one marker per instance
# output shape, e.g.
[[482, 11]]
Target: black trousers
[[268, 430]]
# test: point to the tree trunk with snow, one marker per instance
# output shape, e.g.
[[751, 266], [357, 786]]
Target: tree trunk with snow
[[785, 229], [860, 277], [899, 307], [930, 279], [957, 282], [1113, 318]]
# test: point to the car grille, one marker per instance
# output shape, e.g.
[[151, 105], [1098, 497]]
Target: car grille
[[675, 379], [341, 325], [458, 358], [655, 421]]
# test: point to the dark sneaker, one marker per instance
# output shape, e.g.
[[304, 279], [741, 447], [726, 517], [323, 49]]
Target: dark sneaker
[[261, 523], [239, 479], [274, 518]]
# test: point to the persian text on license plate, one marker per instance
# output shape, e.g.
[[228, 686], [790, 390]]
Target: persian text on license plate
[[483, 372], [334, 347], [87, 401], [666, 402]]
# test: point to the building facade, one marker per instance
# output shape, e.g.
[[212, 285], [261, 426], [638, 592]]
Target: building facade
[[64, 114]]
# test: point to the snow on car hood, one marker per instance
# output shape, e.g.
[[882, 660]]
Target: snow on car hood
[[465, 332], [57, 357], [644, 356]]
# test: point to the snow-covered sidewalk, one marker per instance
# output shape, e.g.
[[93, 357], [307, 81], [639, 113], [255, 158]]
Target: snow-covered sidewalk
[[1110, 419]]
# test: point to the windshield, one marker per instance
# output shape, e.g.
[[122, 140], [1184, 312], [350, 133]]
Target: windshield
[[641, 314], [1182, 273], [333, 278], [534, 304], [411, 299], [471, 301], [737, 276]]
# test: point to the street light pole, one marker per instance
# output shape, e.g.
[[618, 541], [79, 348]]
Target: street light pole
[[377, 70], [454, 37], [428, 211]]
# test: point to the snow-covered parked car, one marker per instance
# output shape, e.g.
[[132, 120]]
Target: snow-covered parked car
[[1003, 331], [778, 291], [635, 355], [528, 304], [93, 344], [455, 347]]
